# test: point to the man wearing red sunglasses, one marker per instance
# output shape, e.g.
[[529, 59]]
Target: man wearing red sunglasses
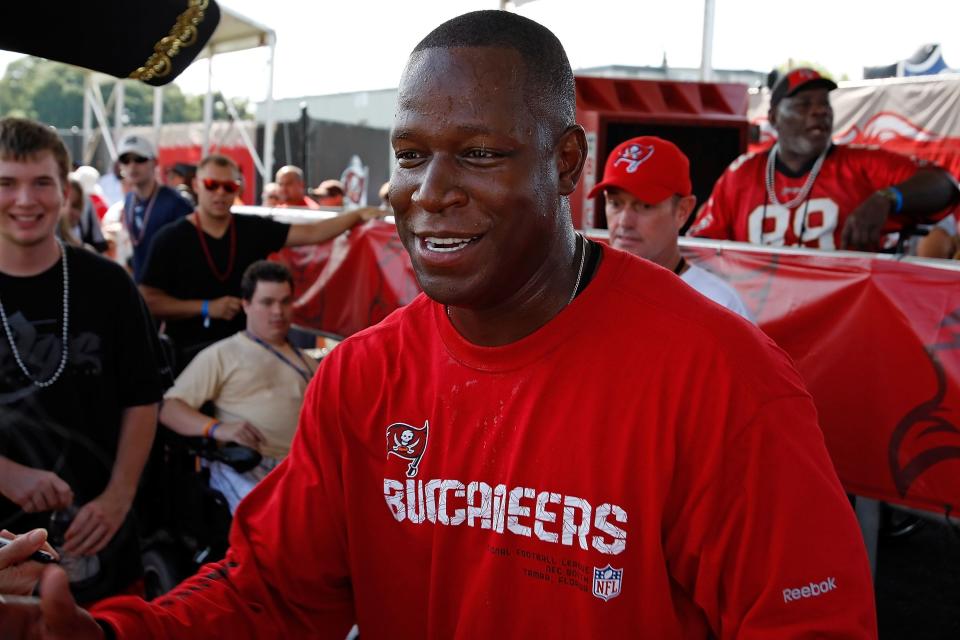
[[150, 205], [192, 275]]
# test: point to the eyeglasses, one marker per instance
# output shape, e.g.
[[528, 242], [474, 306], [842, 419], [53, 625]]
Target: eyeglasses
[[230, 186], [127, 159]]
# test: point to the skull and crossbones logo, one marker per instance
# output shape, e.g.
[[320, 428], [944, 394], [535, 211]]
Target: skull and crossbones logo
[[405, 443]]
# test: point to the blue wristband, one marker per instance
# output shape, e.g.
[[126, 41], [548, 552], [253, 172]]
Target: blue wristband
[[213, 429], [898, 205], [205, 313]]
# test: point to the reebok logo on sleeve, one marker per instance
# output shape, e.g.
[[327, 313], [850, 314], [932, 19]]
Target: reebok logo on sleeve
[[811, 590]]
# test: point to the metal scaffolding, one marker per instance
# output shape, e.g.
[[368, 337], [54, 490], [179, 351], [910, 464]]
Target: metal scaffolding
[[235, 32]]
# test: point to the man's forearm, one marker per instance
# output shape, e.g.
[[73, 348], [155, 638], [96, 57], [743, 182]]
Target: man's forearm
[[929, 190], [137, 429], [166, 307], [7, 470], [315, 232], [182, 418]]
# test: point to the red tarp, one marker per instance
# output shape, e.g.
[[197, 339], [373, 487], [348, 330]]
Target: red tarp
[[877, 341], [878, 344], [352, 282]]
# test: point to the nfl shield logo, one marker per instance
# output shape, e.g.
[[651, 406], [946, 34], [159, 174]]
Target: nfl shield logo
[[606, 582]]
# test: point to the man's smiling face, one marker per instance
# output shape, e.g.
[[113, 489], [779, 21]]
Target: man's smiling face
[[475, 192], [31, 197]]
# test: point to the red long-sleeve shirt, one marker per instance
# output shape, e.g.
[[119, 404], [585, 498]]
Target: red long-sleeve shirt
[[646, 464]]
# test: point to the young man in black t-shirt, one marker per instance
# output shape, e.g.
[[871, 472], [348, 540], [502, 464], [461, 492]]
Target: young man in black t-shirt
[[79, 376], [192, 277]]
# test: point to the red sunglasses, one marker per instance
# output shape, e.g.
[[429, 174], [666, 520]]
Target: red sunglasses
[[230, 186]]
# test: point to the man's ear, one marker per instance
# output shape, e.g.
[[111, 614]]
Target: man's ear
[[684, 208], [571, 154]]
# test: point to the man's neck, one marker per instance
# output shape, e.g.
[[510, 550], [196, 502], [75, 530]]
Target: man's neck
[[534, 305], [213, 226], [797, 163], [20, 261], [671, 260], [278, 343], [146, 189]]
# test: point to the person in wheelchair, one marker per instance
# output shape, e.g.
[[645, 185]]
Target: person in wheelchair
[[255, 381]]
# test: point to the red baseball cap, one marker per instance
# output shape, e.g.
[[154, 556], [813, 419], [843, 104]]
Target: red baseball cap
[[648, 168], [797, 80]]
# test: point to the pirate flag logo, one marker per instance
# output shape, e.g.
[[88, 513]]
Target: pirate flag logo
[[634, 156], [408, 442]]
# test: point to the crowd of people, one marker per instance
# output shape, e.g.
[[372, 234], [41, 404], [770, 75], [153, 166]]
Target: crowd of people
[[669, 476], [82, 369]]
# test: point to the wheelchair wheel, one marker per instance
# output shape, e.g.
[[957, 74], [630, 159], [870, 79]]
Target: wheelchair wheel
[[163, 569], [896, 524]]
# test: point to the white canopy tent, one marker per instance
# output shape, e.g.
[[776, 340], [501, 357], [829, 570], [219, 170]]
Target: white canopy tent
[[235, 32]]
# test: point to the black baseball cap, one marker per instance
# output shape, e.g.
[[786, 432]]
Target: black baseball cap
[[797, 80]]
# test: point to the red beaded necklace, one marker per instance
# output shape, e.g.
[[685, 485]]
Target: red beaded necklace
[[206, 250]]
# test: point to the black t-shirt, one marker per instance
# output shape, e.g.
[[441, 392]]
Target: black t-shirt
[[178, 266], [143, 220], [73, 426]]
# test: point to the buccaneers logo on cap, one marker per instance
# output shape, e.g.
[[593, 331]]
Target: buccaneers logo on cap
[[408, 442], [799, 76], [634, 156]]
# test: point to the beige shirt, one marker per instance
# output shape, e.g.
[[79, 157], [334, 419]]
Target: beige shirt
[[245, 381]]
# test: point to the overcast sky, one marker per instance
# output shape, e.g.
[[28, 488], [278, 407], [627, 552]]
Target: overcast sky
[[327, 47]]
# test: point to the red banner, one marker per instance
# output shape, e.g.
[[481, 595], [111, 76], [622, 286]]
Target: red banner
[[352, 282], [878, 343]]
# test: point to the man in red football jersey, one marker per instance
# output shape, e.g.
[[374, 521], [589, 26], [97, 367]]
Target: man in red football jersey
[[808, 192]]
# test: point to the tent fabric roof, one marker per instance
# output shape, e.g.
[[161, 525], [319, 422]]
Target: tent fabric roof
[[236, 32]]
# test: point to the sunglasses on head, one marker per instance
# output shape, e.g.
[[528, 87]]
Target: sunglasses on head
[[230, 186], [128, 158]]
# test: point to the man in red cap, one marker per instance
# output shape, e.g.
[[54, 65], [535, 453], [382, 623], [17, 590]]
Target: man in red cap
[[808, 192], [646, 184]]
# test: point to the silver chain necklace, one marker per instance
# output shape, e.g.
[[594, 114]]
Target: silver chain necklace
[[771, 172], [64, 345], [576, 285], [583, 255]]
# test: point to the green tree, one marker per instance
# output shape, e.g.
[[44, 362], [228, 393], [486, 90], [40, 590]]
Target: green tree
[[53, 93]]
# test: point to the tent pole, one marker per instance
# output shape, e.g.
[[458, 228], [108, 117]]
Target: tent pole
[[269, 126], [706, 53], [208, 108], [157, 114], [87, 119], [118, 90], [100, 112]]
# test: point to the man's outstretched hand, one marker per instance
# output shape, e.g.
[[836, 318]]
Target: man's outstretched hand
[[55, 617]]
